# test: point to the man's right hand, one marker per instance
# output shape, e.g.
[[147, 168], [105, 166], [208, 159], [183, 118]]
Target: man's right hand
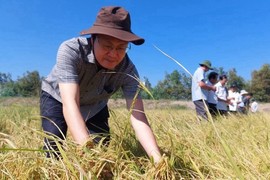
[[213, 88]]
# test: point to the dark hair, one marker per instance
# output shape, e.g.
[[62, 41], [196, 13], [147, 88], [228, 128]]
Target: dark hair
[[233, 85], [212, 75], [223, 76]]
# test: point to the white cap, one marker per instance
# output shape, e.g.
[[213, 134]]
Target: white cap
[[242, 92]]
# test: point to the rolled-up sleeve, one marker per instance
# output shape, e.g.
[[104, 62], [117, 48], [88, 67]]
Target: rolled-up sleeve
[[67, 63]]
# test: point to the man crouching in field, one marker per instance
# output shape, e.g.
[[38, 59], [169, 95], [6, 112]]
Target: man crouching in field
[[88, 71]]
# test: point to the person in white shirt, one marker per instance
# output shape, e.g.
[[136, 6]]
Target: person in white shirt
[[254, 106], [241, 105], [244, 106], [222, 94], [211, 95], [234, 96]]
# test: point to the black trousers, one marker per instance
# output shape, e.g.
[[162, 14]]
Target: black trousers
[[54, 124], [213, 109]]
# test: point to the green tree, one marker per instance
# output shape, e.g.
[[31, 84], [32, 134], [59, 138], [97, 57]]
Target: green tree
[[8, 89], [5, 78], [219, 70], [7, 85], [235, 79], [29, 84], [175, 86], [148, 85], [260, 83]]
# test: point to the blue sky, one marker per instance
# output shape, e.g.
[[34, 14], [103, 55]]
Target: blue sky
[[230, 33]]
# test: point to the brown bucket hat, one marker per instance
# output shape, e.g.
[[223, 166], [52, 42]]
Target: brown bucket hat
[[114, 21]]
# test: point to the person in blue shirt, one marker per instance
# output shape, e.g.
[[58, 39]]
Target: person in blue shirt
[[199, 89]]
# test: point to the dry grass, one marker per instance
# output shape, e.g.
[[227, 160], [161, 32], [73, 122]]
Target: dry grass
[[236, 147]]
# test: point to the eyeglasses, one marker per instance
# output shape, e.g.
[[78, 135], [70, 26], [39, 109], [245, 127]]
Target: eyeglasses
[[108, 47]]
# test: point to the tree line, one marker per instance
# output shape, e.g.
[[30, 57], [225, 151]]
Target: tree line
[[28, 85], [174, 86]]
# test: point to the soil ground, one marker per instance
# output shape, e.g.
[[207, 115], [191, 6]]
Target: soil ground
[[152, 104]]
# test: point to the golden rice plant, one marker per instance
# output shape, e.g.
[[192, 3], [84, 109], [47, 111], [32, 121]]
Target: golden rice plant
[[191, 149]]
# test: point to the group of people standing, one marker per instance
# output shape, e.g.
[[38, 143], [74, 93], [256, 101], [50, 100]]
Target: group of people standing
[[212, 93]]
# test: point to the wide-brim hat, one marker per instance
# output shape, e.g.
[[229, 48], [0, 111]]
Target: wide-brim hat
[[114, 21], [242, 92], [206, 63]]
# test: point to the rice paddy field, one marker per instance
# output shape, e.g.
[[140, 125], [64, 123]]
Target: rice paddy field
[[236, 147]]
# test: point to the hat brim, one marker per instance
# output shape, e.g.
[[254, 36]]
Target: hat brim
[[117, 33], [243, 93], [206, 66]]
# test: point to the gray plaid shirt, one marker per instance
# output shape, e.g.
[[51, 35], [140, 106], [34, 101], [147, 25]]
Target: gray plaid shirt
[[76, 64]]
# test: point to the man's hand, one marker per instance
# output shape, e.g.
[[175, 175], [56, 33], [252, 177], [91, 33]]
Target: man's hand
[[86, 146], [213, 88], [142, 129], [155, 154]]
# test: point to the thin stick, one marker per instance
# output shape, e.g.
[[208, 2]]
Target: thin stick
[[173, 60]]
